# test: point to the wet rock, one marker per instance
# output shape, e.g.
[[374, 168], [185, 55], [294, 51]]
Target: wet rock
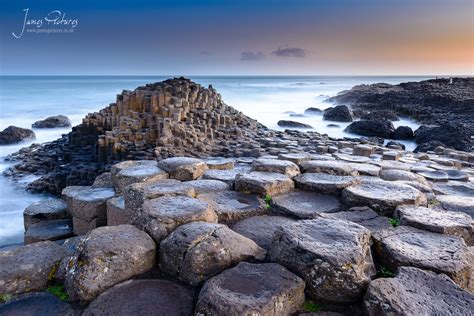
[[87, 206], [263, 183], [435, 176], [196, 251], [306, 205], [295, 158], [108, 256], [27, 268], [402, 175], [378, 128], [449, 135], [403, 132], [457, 175], [380, 115], [43, 211], [252, 289], [324, 183], [417, 292], [261, 229], [55, 229], [220, 164], [275, 165], [363, 216], [37, 303], [143, 297], [313, 111], [332, 256], [53, 122], [231, 206], [116, 213], [454, 188], [408, 246], [395, 145], [382, 196], [333, 125], [457, 203], [128, 172], [13, 134], [183, 168], [437, 221], [292, 124], [338, 168], [208, 186], [340, 113], [227, 176]]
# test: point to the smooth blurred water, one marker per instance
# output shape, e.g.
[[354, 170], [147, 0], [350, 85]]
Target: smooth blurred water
[[26, 99]]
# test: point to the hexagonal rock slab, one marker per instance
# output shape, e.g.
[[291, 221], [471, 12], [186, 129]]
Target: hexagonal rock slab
[[332, 256], [252, 289], [38, 303], [227, 176], [55, 229], [337, 168], [365, 169], [159, 217], [408, 246], [295, 158], [107, 256], [88, 206], [324, 183], [435, 176], [274, 165], [306, 205], [128, 172], [44, 210], [261, 229], [457, 175], [116, 213], [220, 164], [457, 203], [231, 206], [382, 196], [402, 175], [437, 221], [143, 297], [263, 183], [27, 268], [454, 188], [183, 168], [136, 194], [417, 292], [197, 251], [207, 186]]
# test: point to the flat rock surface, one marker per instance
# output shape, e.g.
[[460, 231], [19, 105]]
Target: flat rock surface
[[263, 183], [208, 185], [305, 205], [132, 171], [337, 168], [37, 303], [44, 210], [55, 229], [143, 297], [457, 203], [417, 292], [183, 168], [324, 183], [296, 158], [227, 176], [402, 175], [454, 188], [363, 216], [275, 165], [252, 289], [435, 176]]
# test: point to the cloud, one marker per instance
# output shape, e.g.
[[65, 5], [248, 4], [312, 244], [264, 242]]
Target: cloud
[[205, 53], [289, 52], [252, 56]]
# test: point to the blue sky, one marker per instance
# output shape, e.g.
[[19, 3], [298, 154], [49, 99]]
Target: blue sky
[[297, 37]]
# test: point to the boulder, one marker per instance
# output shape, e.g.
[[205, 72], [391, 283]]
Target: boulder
[[395, 145], [196, 251], [261, 228], [13, 134], [208, 186], [231, 206], [275, 165], [263, 183], [53, 122], [417, 292], [449, 135], [55, 229], [28, 268], [380, 115], [457, 203], [116, 213], [44, 211], [338, 168], [332, 256], [313, 111], [87, 206], [403, 132], [292, 124], [36, 303], [408, 246], [340, 113], [183, 168], [159, 217], [324, 183], [378, 128], [108, 256], [127, 172], [143, 297], [252, 289], [306, 205]]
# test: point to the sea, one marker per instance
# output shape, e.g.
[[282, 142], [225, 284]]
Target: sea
[[26, 99]]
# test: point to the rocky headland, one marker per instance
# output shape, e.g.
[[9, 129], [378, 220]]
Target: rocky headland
[[174, 203]]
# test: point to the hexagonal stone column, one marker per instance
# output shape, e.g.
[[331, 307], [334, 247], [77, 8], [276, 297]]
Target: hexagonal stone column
[[87, 206], [274, 165], [45, 210], [128, 172], [252, 289], [457, 203], [263, 183], [197, 251], [159, 217], [338, 168], [183, 168], [55, 229], [116, 213], [408, 246], [108, 256], [207, 186], [305, 205], [332, 256], [324, 183], [418, 292]]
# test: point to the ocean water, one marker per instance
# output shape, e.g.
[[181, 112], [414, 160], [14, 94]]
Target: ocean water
[[26, 99]]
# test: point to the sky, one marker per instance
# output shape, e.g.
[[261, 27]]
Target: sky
[[238, 37]]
